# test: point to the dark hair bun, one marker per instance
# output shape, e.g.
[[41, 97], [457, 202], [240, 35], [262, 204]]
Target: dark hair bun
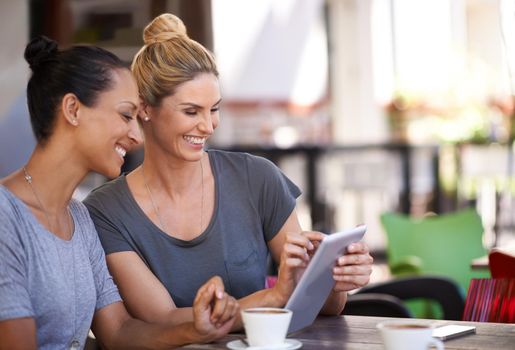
[[39, 50]]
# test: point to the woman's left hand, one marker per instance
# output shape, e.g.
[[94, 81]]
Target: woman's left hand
[[353, 269]]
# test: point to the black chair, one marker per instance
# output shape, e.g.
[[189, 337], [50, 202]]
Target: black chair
[[376, 304], [441, 290]]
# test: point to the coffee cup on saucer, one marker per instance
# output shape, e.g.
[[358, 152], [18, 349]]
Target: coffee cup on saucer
[[266, 326], [408, 335]]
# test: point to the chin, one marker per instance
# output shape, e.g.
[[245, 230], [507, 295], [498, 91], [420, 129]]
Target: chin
[[193, 159], [195, 155], [115, 172], [111, 172]]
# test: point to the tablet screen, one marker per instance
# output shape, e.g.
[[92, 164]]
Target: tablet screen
[[317, 281]]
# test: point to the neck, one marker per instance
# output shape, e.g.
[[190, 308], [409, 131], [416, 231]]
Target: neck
[[54, 177], [174, 177], [167, 178]]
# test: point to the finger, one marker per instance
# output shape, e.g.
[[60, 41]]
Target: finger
[[314, 236], [225, 328], [218, 284], [299, 240], [294, 251], [355, 281], [316, 244], [218, 309], [235, 307], [358, 247], [351, 282], [294, 262], [355, 259], [203, 290], [346, 286], [204, 296], [352, 270], [228, 312]]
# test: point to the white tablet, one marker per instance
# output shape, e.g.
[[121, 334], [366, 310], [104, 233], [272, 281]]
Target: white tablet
[[317, 281]]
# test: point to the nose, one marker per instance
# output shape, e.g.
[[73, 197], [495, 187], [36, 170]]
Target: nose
[[206, 124], [134, 133]]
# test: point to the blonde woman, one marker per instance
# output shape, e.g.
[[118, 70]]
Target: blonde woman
[[188, 213]]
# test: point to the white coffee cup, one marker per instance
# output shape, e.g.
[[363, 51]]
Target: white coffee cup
[[266, 326], [408, 335]]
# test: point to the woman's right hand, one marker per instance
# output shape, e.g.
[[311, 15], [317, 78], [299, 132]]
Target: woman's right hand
[[296, 254], [214, 311]]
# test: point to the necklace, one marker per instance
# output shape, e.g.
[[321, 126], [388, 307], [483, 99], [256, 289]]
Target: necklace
[[74, 344], [28, 179], [156, 209]]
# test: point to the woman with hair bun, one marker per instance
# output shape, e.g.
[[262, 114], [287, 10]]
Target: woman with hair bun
[[54, 282], [188, 213]]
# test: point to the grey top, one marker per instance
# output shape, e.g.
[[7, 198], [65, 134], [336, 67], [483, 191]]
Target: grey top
[[58, 283], [253, 199]]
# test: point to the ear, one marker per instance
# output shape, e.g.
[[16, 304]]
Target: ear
[[70, 108], [144, 110]]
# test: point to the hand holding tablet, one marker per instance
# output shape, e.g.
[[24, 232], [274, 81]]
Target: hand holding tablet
[[317, 281]]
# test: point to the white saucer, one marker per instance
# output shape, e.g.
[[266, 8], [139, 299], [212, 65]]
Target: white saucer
[[289, 344]]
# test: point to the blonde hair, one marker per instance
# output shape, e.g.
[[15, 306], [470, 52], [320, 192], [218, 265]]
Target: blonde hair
[[168, 58]]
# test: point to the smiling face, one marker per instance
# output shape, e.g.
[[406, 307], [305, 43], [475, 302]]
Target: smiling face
[[185, 120], [109, 129]]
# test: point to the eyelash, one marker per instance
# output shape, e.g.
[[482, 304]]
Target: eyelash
[[192, 113], [127, 117]]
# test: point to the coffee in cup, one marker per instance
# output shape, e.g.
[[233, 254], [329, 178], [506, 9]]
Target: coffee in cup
[[408, 335], [266, 326]]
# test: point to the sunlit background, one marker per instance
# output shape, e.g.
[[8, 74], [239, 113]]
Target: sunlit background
[[369, 105]]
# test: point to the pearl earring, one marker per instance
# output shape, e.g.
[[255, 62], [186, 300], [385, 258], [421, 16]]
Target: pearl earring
[[146, 119], [75, 122]]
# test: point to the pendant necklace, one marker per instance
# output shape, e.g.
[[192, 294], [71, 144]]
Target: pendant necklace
[[156, 209], [74, 344], [28, 179]]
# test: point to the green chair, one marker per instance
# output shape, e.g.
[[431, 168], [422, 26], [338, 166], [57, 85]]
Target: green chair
[[438, 245]]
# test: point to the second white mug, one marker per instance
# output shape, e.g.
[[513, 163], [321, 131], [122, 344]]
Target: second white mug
[[408, 335]]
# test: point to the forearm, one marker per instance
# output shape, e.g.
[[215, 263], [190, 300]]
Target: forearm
[[334, 304], [174, 317], [263, 298], [136, 334]]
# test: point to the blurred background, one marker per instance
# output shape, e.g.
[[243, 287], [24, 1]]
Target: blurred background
[[370, 106]]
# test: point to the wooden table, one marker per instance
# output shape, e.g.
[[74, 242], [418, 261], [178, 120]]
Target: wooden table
[[360, 333]]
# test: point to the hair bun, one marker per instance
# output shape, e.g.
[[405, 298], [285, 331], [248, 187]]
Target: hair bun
[[163, 28], [39, 50]]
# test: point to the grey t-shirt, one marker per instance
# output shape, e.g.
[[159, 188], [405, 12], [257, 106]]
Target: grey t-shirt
[[58, 283], [253, 199]]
